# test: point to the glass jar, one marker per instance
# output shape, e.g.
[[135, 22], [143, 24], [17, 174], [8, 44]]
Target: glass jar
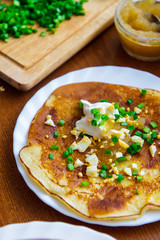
[[136, 39]]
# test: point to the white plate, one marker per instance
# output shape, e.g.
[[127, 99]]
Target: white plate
[[50, 230], [108, 74]]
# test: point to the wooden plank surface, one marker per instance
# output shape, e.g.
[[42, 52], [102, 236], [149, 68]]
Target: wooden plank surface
[[18, 203], [26, 61]]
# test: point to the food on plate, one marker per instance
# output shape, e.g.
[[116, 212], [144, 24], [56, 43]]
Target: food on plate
[[139, 30], [19, 17], [96, 146]]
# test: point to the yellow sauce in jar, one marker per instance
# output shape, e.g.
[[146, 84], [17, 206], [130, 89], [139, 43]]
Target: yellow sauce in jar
[[140, 36]]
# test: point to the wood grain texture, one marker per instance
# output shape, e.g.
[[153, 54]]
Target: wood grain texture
[[17, 202], [26, 61]]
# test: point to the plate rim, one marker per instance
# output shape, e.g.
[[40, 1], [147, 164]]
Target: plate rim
[[31, 230]]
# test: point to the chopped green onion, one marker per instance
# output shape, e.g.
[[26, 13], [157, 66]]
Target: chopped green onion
[[143, 91], [110, 175], [116, 163], [117, 116], [139, 178], [97, 116], [94, 122], [146, 129], [141, 105], [103, 173], [138, 133], [101, 123], [94, 111], [135, 172], [122, 111], [104, 168], [50, 156], [124, 124], [104, 117], [47, 13], [134, 148], [132, 113], [16, 3], [137, 193], [70, 150], [135, 116], [154, 124], [54, 147], [69, 159], [65, 154], [154, 134], [61, 122], [104, 100], [120, 178], [108, 152], [114, 139], [2, 6], [130, 101], [116, 105], [144, 136], [150, 141], [70, 166], [84, 184], [82, 134], [131, 127], [80, 104], [53, 31], [56, 134], [43, 34], [121, 159]]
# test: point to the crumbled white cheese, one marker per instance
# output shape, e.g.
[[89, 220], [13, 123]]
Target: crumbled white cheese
[[75, 132], [118, 134], [49, 121], [78, 163], [115, 170], [137, 139], [128, 171], [74, 146], [83, 144], [137, 110], [121, 119], [142, 173], [128, 157], [123, 144], [92, 159], [91, 151], [153, 150], [126, 131], [91, 171], [119, 154], [114, 176], [134, 166]]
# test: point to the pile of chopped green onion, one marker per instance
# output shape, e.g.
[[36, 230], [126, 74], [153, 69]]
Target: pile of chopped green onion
[[19, 17]]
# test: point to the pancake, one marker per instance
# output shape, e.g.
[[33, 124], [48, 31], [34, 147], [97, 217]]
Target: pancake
[[125, 181]]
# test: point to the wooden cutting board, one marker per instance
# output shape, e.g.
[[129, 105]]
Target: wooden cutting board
[[26, 61]]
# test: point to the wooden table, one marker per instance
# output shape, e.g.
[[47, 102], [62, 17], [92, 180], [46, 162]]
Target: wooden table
[[17, 202]]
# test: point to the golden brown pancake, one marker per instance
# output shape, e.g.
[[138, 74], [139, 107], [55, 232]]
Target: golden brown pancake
[[103, 198]]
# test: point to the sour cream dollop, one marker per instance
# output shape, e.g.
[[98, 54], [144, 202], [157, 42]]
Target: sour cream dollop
[[104, 109]]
